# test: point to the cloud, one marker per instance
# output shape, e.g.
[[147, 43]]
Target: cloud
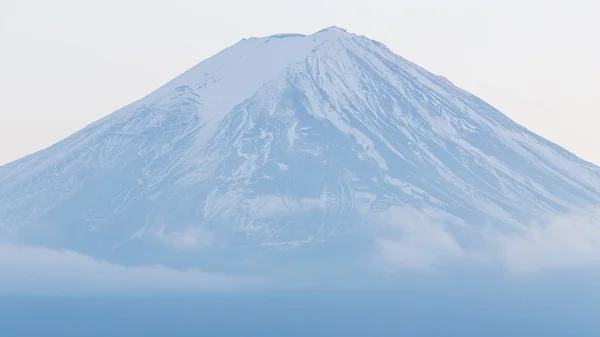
[[568, 241], [190, 238], [411, 239], [40, 270], [415, 240]]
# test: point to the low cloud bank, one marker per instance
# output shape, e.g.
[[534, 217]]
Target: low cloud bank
[[562, 242], [190, 238], [410, 239], [406, 239], [32, 270]]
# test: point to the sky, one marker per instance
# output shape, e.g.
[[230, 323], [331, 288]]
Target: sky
[[67, 63]]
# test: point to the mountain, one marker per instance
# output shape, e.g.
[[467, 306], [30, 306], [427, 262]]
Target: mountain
[[286, 141]]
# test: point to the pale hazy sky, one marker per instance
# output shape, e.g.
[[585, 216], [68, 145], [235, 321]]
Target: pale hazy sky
[[66, 63]]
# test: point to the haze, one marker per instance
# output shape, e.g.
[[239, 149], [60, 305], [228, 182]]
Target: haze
[[67, 63]]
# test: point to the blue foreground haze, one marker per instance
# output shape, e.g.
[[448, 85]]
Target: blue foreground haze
[[564, 307]]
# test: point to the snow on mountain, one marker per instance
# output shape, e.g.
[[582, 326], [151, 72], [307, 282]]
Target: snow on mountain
[[287, 140]]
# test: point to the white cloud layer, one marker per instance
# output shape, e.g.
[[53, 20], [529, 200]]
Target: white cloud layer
[[415, 240], [566, 241], [190, 238], [39, 270], [406, 239], [419, 240]]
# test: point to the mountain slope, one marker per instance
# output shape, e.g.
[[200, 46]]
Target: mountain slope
[[287, 140]]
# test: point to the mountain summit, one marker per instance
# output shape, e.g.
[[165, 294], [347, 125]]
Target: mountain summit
[[285, 141]]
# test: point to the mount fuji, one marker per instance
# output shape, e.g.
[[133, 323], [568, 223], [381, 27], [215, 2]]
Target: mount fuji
[[283, 142]]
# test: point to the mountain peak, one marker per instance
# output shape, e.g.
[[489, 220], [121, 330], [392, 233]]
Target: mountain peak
[[334, 29], [283, 141]]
